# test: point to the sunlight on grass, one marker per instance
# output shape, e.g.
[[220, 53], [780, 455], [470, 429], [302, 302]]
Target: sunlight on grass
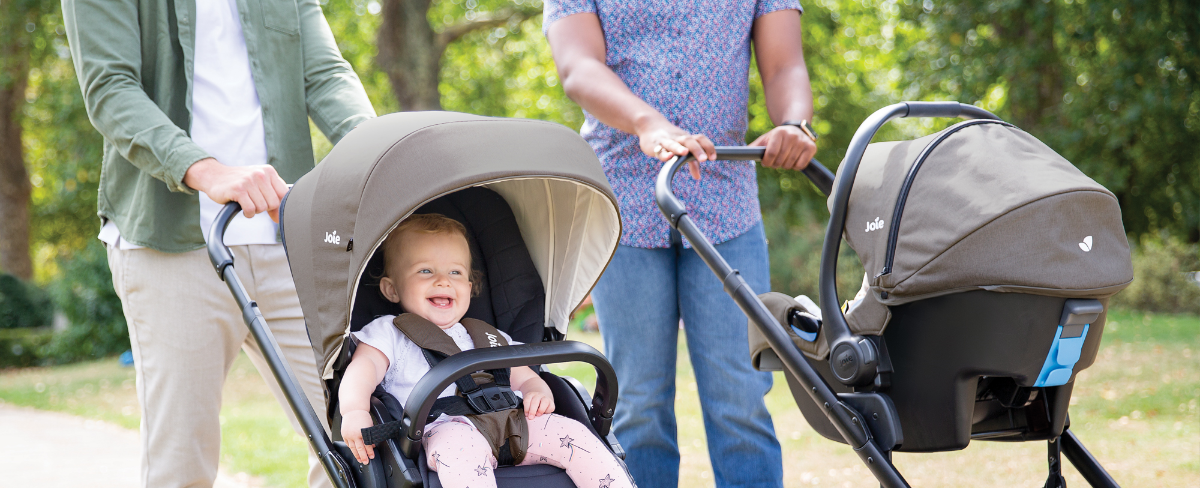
[[1135, 409], [256, 436]]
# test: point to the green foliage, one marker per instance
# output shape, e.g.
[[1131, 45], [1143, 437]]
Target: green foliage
[[850, 49], [19, 347], [506, 71], [84, 293], [1109, 85], [1164, 277], [62, 152], [23, 305]]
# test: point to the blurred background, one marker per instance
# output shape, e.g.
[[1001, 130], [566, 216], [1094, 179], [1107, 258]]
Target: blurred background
[[1109, 84]]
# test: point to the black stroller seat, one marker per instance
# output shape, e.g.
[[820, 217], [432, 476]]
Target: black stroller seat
[[513, 299]]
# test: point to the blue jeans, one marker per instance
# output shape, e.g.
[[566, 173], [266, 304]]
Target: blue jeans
[[639, 301]]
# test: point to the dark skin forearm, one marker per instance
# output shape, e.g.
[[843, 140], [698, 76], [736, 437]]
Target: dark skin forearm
[[577, 44], [780, 53]]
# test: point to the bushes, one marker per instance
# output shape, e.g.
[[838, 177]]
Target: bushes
[[21, 348], [1164, 278], [23, 305], [85, 295]]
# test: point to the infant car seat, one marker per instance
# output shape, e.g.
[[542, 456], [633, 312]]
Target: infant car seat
[[990, 260]]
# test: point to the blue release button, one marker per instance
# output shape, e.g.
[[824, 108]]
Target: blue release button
[[1060, 361]]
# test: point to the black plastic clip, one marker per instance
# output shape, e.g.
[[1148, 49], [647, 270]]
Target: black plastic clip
[[491, 398]]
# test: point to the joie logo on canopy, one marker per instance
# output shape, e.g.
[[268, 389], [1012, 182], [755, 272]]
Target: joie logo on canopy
[[492, 339], [876, 225], [333, 238], [1086, 245]]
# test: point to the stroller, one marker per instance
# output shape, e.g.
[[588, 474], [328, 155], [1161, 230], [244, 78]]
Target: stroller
[[990, 260], [542, 224]]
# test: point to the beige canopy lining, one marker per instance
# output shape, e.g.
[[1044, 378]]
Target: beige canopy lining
[[569, 228]]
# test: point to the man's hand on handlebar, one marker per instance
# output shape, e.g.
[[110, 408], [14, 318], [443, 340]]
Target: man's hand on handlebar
[[788, 147], [257, 188]]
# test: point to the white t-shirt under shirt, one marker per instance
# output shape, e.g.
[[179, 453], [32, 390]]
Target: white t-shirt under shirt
[[226, 117], [406, 363]]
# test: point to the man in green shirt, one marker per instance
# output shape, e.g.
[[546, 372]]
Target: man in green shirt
[[202, 102]]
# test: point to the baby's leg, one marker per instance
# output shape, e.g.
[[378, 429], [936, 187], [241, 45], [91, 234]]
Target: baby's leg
[[565, 443], [460, 455]]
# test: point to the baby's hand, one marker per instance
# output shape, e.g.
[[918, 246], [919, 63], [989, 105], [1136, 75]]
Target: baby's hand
[[537, 403], [353, 423]]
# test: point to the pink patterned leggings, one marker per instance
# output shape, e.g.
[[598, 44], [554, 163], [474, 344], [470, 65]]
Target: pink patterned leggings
[[462, 457]]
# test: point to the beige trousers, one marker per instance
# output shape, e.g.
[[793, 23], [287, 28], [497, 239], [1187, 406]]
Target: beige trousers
[[186, 330]]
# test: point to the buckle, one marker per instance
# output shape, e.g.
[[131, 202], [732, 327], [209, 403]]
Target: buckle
[[491, 398]]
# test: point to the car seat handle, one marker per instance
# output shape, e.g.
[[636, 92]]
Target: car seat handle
[[847, 349]]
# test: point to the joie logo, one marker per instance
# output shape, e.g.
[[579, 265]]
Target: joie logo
[[333, 238], [1086, 245], [876, 225], [492, 340]]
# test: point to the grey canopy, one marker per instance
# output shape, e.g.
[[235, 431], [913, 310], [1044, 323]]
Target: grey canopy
[[981, 205], [337, 215]]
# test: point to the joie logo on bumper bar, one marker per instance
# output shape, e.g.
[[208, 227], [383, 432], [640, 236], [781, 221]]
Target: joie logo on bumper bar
[[876, 225], [333, 238]]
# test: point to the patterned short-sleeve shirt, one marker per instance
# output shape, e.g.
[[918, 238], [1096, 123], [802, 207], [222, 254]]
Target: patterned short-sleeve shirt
[[691, 62]]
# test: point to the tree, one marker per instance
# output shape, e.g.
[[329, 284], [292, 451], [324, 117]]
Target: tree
[[411, 47], [1108, 85], [20, 48]]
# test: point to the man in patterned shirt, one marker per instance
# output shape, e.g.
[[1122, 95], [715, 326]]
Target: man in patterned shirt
[[657, 79]]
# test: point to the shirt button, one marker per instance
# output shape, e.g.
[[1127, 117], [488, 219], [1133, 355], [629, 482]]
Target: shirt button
[[678, 75]]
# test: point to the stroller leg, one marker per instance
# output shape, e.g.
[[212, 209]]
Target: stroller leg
[[1083, 461], [1054, 456]]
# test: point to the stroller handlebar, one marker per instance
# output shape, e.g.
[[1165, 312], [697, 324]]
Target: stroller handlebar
[[222, 260], [670, 205], [218, 252], [604, 399]]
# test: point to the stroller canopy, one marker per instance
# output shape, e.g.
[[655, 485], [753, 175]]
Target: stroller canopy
[[980, 205], [337, 215]]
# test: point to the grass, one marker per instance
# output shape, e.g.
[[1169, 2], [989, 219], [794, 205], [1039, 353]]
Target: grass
[[256, 437], [1135, 409]]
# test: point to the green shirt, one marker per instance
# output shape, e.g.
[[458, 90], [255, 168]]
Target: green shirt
[[134, 63]]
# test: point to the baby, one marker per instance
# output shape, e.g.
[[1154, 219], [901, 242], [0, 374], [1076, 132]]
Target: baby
[[428, 272]]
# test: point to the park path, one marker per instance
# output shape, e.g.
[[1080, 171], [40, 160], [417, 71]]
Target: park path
[[56, 450]]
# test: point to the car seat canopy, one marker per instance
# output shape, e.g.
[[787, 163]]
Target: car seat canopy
[[981, 205]]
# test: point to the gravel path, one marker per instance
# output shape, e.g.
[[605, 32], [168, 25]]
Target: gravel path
[[52, 450]]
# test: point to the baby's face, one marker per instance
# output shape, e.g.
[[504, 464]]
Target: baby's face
[[429, 275]]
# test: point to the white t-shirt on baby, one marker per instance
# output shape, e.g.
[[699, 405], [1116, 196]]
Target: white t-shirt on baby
[[406, 363]]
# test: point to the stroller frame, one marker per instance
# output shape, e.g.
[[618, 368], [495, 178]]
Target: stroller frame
[[866, 420], [333, 454]]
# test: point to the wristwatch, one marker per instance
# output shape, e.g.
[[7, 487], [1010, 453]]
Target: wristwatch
[[803, 126]]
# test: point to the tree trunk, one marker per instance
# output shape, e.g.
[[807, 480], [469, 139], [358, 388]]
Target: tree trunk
[[14, 180], [1036, 82], [409, 54]]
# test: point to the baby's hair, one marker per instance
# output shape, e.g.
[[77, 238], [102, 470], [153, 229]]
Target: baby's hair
[[432, 223]]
